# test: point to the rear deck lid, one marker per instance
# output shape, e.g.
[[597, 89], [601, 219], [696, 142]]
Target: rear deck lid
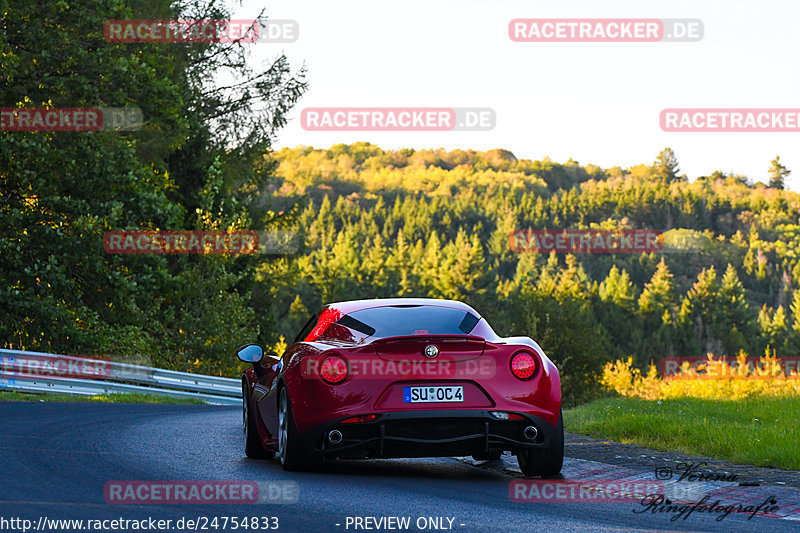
[[430, 348]]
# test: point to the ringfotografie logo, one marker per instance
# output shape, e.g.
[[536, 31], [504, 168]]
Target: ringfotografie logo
[[691, 471], [658, 503]]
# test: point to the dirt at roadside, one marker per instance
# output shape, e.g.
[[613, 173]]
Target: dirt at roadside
[[634, 456]]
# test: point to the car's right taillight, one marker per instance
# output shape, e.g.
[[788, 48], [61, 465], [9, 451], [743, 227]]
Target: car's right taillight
[[523, 365], [333, 370]]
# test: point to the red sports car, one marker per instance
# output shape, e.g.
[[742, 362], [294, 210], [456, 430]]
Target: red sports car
[[404, 377]]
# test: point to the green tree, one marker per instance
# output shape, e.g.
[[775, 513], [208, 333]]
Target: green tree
[[777, 173], [615, 310], [666, 165], [736, 324], [462, 275], [658, 294], [699, 312], [618, 289], [656, 307]]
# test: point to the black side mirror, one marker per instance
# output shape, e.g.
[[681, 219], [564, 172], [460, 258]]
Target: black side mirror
[[250, 353]]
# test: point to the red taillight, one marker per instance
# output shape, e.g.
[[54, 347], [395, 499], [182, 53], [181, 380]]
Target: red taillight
[[359, 419], [333, 369], [523, 365]]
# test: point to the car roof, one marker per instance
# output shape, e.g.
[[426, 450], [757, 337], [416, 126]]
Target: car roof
[[358, 305]]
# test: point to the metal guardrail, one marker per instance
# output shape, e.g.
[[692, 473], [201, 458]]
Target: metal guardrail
[[49, 373]]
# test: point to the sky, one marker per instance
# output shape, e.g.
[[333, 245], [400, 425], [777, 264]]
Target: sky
[[596, 103]]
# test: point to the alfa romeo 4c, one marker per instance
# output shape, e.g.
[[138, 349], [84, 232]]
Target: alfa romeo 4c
[[402, 378]]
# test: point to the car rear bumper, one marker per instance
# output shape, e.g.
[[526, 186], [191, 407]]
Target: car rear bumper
[[440, 433]]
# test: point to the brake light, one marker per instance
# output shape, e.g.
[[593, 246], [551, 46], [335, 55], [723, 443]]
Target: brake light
[[359, 419], [523, 365], [333, 370]]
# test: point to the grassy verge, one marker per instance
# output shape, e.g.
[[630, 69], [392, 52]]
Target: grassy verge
[[9, 396], [754, 431]]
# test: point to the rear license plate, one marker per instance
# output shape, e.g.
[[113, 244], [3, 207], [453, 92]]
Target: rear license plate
[[433, 394]]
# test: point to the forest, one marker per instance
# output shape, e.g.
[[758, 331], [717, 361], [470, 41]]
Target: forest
[[431, 223]]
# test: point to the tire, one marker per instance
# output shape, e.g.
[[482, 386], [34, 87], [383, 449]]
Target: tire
[[252, 445], [290, 450], [492, 455], [545, 461]]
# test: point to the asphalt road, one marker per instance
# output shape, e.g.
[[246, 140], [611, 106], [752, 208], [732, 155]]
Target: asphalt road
[[57, 458]]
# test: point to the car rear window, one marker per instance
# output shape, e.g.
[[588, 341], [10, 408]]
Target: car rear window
[[399, 320]]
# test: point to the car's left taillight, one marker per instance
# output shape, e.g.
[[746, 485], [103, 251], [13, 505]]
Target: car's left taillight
[[333, 369]]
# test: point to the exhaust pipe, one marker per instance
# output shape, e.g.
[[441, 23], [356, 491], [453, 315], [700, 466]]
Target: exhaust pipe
[[335, 436], [530, 432]]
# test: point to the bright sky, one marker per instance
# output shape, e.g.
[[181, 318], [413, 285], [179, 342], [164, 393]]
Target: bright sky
[[594, 102]]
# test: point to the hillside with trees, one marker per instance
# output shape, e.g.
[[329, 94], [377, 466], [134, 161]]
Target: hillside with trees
[[431, 223]]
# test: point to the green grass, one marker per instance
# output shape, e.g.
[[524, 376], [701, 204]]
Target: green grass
[[9, 396], [757, 431]]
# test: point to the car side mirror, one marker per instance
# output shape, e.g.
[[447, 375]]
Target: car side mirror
[[250, 353]]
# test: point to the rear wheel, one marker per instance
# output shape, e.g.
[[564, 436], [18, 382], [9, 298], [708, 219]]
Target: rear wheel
[[252, 445], [290, 451], [545, 461]]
